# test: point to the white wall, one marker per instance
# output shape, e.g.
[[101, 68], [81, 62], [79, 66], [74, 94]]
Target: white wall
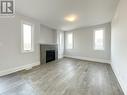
[[11, 57], [47, 35], [119, 44], [83, 44], [51, 36]]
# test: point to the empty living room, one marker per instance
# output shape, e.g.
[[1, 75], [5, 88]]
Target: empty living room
[[63, 47]]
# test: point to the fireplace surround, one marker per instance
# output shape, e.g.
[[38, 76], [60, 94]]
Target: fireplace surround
[[48, 52]]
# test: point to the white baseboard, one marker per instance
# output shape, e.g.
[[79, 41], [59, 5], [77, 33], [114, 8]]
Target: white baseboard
[[119, 80], [89, 59], [13, 70]]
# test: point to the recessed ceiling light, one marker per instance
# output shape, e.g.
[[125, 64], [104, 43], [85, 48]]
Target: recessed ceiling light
[[70, 18]]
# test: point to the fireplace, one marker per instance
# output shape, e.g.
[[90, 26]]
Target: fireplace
[[48, 52], [50, 55]]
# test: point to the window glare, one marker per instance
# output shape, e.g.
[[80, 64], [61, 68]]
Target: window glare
[[69, 40], [27, 37], [60, 41], [99, 39]]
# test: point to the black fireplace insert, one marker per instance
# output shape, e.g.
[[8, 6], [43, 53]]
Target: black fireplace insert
[[50, 55]]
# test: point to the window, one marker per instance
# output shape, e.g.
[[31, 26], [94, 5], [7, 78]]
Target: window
[[69, 40], [60, 44], [60, 40], [27, 37], [99, 39]]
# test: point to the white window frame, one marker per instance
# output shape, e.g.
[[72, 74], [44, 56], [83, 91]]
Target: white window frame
[[94, 46], [32, 37], [72, 40]]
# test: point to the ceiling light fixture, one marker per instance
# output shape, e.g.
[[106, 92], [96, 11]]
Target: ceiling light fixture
[[70, 18]]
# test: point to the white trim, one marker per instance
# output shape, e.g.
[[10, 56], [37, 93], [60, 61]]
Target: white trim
[[89, 59], [13, 70], [119, 79]]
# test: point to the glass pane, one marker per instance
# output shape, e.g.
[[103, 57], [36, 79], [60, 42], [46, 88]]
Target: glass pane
[[99, 40], [27, 37], [60, 44], [69, 41]]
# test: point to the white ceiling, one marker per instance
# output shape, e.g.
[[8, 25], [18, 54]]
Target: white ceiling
[[52, 12]]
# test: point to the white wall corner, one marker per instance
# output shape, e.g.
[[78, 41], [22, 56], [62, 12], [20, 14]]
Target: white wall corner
[[16, 69], [119, 79], [89, 59]]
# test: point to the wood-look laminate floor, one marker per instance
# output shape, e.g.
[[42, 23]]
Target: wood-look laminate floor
[[66, 77]]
